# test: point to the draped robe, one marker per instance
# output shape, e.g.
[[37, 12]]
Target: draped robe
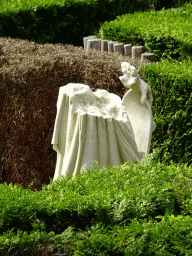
[[91, 126]]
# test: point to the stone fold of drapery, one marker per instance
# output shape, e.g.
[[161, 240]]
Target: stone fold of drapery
[[91, 126]]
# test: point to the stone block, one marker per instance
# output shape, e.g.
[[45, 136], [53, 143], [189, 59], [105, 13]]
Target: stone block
[[119, 48], [85, 41], [104, 45], [137, 51], [127, 49], [110, 46], [149, 56], [94, 43]]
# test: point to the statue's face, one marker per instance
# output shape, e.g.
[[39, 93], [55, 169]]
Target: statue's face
[[132, 77], [129, 69], [125, 67], [133, 71]]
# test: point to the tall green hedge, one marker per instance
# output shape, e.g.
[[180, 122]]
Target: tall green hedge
[[171, 83], [172, 3], [61, 21]]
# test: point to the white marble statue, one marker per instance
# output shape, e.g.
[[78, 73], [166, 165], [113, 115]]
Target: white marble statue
[[99, 126], [132, 80], [137, 102]]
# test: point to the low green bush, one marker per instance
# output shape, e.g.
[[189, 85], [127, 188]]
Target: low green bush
[[144, 209]]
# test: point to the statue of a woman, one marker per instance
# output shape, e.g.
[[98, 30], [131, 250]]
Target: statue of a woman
[[94, 126]]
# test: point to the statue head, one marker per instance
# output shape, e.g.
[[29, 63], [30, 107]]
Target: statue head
[[133, 72], [130, 76], [125, 67]]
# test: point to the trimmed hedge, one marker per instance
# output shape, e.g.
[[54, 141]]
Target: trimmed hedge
[[122, 210], [66, 21], [172, 108], [166, 33]]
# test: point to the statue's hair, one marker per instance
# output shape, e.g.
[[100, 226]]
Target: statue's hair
[[126, 64]]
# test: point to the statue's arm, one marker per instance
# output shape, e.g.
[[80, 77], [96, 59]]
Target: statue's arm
[[132, 80], [146, 93]]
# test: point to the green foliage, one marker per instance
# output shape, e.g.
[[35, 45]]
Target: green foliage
[[170, 236], [172, 3], [71, 20], [167, 34], [172, 107], [129, 207]]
